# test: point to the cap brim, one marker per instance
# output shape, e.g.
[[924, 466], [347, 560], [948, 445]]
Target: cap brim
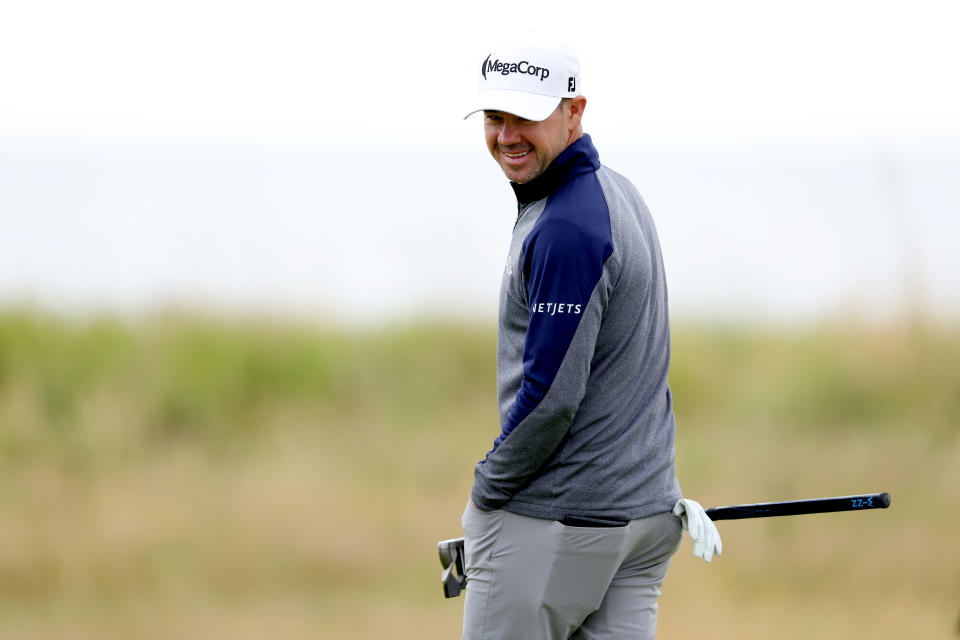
[[529, 106]]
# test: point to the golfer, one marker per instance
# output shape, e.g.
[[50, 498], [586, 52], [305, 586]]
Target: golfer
[[573, 516]]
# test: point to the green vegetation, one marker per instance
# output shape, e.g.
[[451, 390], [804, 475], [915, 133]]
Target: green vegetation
[[188, 477]]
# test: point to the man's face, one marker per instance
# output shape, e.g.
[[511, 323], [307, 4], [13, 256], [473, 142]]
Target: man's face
[[525, 148]]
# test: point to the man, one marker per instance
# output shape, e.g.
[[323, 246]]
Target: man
[[569, 530]]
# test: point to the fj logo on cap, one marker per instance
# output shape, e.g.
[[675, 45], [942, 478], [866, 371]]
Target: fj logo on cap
[[506, 68], [571, 84]]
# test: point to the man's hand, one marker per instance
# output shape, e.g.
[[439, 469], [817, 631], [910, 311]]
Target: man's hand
[[706, 538]]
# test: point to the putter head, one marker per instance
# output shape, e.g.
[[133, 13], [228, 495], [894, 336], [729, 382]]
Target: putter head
[[451, 558]]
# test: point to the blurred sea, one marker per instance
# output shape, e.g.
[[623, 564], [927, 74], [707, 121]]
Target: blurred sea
[[777, 232]]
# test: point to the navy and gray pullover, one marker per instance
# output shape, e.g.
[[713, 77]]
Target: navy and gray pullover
[[587, 423]]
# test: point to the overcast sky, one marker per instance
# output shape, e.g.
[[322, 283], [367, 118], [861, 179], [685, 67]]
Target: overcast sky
[[219, 132], [375, 71]]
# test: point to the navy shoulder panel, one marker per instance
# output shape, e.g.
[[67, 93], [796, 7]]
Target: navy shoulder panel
[[564, 256]]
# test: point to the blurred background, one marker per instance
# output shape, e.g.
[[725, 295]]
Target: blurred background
[[249, 259]]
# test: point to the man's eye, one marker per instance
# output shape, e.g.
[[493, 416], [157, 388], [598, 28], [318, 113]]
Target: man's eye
[[493, 118]]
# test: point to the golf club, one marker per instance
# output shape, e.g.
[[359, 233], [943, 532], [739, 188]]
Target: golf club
[[454, 578]]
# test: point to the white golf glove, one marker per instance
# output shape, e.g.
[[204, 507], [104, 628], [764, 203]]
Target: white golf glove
[[706, 538]]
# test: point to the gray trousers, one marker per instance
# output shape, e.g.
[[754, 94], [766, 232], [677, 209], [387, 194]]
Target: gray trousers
[[535, 579]]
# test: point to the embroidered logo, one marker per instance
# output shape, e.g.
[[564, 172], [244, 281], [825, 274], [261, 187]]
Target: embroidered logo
[[506, 68], [555, 308]]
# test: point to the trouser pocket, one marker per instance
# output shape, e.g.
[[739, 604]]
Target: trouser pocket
[[480, 532]]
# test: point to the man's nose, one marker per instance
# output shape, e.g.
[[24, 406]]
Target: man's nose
[[509, 133]]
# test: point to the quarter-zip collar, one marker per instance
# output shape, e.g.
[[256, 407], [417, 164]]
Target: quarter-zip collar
[[577, 159]]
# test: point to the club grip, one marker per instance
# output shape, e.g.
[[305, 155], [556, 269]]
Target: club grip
[[801, 507]]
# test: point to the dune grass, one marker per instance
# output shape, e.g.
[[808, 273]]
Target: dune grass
[[190, 477]]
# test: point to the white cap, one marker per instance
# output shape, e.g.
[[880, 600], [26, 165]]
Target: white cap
[[527, 78]]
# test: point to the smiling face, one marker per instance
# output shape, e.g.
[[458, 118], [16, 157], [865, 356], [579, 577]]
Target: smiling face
[[525, 148]]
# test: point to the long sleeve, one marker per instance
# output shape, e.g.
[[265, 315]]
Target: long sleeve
[[562, 263]]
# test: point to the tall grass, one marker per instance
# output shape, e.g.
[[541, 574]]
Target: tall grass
[[186, 476]]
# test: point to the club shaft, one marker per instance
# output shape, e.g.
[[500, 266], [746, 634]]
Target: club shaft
[[801, 507]]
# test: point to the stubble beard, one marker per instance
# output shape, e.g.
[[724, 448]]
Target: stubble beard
[[521, 175]]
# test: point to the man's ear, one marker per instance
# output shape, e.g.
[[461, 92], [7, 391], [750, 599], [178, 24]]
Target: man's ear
[[575, 108]]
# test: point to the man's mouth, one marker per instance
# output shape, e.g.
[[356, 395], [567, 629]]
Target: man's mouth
[[516, 155]]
